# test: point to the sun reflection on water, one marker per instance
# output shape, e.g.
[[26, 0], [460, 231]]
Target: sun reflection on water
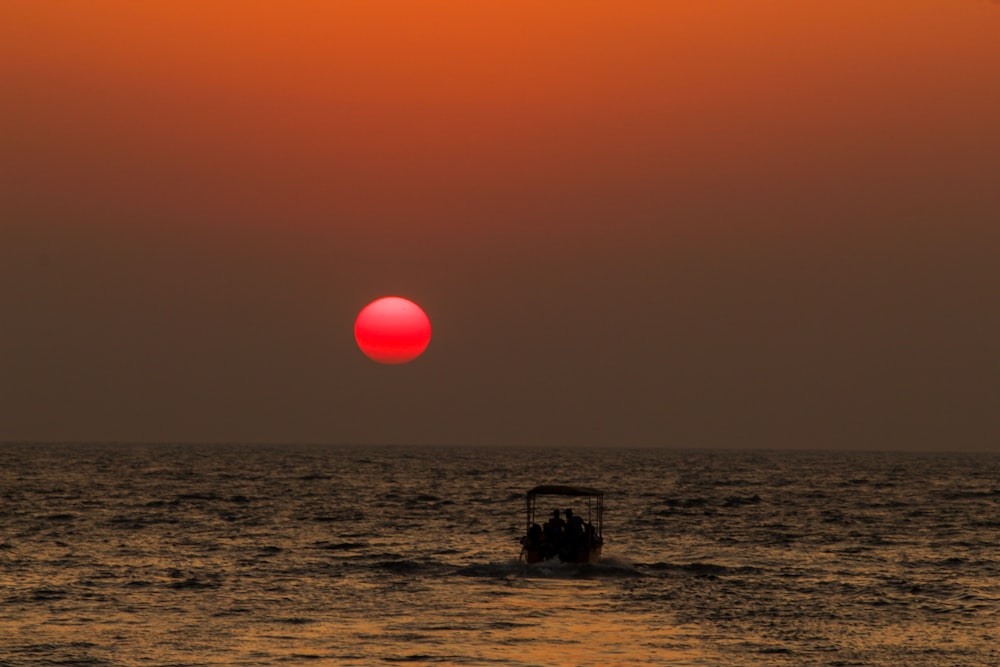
[[526, 622]]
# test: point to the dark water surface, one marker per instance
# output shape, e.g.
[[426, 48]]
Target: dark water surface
[[196, 555]]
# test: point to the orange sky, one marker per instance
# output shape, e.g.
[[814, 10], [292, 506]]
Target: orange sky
[[738, 165]]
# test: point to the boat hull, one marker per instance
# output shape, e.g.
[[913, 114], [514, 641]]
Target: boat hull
[[591, 555]]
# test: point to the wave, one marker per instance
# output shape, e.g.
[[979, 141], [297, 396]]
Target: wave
[[698, 569], [605, 569]]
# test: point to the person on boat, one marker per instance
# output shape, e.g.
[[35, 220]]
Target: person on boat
[[533, 540], [553, 535], [589, 534], [573, 539], [574, 524]]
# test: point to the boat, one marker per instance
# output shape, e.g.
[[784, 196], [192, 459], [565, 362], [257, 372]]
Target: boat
[[578, 539]]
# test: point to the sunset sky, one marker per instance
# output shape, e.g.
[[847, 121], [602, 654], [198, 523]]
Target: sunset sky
[[767, 223]]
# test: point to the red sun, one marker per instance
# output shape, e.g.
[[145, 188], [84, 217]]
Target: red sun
[[392, 330]]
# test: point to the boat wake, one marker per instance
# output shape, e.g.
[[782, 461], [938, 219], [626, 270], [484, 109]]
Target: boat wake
[[607, 568]]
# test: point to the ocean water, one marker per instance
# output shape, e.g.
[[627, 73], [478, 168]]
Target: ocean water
[[251, 555]]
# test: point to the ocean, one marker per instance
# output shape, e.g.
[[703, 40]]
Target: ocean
[[259, 555]]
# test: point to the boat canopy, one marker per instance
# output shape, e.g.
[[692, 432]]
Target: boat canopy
[[595, 502], [563, 490]]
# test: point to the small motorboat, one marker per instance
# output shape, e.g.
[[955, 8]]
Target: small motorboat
[[574, 539]]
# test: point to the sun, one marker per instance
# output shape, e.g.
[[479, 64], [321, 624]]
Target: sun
[[392, 330]]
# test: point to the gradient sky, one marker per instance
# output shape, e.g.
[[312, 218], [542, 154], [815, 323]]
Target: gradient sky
[[770, 223]]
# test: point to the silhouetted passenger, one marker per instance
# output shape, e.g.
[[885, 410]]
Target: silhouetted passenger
[[535, 532], [533, 540], [573, 538], [589, 534], [574, 525], [555, 526], [553, 535]]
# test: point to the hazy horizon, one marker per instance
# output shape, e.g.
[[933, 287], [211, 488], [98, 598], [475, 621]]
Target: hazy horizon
[[507, 446]]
